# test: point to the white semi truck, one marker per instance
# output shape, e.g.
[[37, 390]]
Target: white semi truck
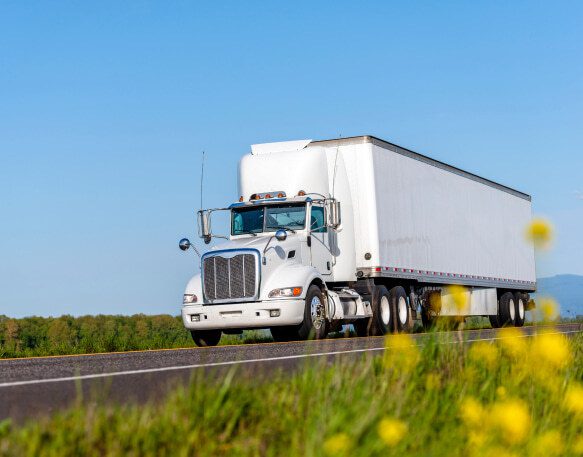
[[359, 231]]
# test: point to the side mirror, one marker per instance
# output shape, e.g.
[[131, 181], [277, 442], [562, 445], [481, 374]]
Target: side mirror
[[204, 225], [334, 213], [281, 235], [184, 244]]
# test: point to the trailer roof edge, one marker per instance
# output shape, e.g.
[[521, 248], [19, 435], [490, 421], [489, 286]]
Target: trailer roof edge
[[423, 158]]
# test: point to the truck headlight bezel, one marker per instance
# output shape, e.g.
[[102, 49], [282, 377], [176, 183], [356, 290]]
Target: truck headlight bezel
[[286, 292], [189, 299]]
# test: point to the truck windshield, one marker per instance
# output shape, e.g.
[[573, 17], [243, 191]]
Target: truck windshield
[[267, 218]]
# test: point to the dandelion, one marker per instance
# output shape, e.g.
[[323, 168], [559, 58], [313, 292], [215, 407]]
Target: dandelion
[[548, 444], [337, 444], [391, 430], [501, 392], [540, 232], [512, 341], [485, 353], [512, 418], [548, 309], [472, 412], [459, 296], [552, 350], [573, 400]]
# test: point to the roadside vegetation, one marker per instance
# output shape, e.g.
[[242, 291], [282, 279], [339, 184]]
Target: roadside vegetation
[[42, 336], [512, 397]]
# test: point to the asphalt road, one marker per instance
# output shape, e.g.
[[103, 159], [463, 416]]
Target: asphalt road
[[42, 385]]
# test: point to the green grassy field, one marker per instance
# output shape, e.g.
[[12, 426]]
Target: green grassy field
[[41, 336], [518, 396]]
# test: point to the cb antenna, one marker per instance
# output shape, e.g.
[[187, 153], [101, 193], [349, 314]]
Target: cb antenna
[[201, 179]]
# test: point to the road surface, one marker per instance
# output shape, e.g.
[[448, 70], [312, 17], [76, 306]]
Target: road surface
[[42, 385]]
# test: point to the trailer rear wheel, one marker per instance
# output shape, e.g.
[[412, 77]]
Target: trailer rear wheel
[[383, 312], [520, 305], [506, 309], [399, 302], [204, 338]]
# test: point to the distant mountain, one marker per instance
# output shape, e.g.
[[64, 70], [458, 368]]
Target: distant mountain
[[567, 290]]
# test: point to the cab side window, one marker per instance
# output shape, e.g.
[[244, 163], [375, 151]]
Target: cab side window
[[317, 221]]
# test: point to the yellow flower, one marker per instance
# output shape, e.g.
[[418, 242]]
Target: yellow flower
[[476, 439], [550, 350], [540, 232], [484, 353], [501, 392], [337, 444], [392, 430], [512, 418], [512, 341], [548, 444], [460, 297], [574, 399], [401, 353], [547, 309], [472, 412], [578, 446]]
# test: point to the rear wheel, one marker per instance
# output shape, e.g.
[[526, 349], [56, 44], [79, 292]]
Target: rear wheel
[[506, 309], [398, 298], [205, 338], [520, 307], [381, 321]]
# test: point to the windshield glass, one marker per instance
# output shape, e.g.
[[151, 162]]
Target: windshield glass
[[267, 218]]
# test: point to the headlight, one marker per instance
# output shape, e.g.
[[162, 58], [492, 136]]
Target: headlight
[[286, 292], [189, 298]]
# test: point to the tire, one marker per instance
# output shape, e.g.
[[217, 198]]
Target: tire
[[520, 304], [284, 334], [205, 338], [314, 325], [506, 309], [398, 298], [494, 321], [382, 320]]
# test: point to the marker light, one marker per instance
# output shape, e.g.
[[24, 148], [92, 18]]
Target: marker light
[[268, 196], [241, 198], [280, 195], [301, 193]]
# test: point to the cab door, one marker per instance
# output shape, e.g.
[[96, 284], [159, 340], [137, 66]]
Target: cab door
[[321, 255]]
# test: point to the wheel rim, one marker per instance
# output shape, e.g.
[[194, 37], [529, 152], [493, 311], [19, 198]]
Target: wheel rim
[[512, 310], [521, 309], [385, 310], [402, 306], [317, 312]]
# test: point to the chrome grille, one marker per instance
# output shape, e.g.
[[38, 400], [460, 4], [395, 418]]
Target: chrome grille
[[230, 278]]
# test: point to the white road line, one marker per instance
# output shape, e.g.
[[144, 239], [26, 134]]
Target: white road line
[[237, 362]]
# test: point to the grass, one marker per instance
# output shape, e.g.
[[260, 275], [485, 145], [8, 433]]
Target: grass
[[518, 396]]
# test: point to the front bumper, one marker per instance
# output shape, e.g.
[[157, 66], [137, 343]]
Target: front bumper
[[243, 315]]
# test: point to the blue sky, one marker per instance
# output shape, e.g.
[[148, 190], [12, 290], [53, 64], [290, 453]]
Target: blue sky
[[106, 106]]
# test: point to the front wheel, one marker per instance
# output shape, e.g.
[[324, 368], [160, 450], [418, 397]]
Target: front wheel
[[314, 325], [204, 338]]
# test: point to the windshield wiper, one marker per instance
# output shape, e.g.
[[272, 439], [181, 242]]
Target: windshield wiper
[[283, 227]]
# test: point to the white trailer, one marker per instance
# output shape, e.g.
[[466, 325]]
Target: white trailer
[[362, 231]]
